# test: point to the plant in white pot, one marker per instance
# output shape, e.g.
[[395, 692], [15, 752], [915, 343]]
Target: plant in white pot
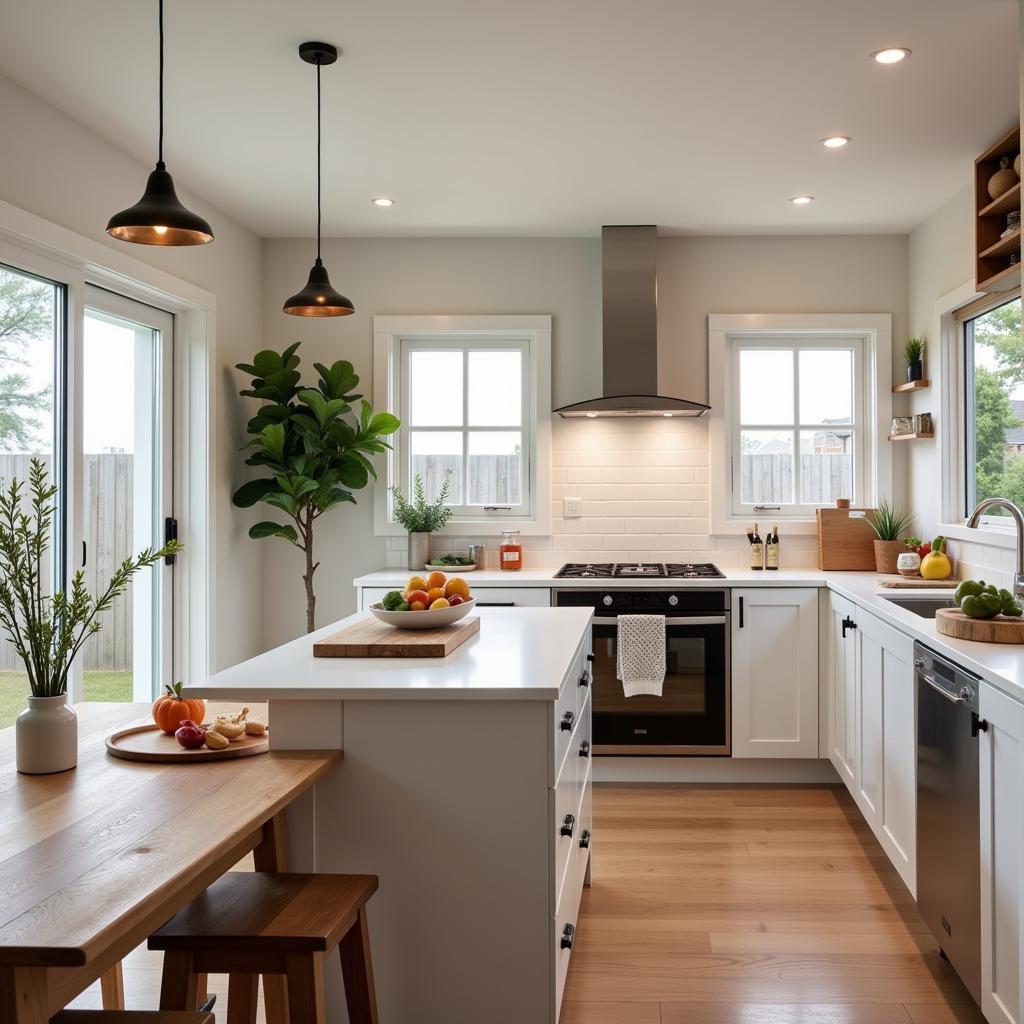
[[421, 518], [47, 632]]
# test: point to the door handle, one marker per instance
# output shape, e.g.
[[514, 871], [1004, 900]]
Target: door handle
[[741, 611], [674, 620], [953, 698], [848, 623]]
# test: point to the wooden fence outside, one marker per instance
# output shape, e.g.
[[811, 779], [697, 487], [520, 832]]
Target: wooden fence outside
[[493, 479], [768, 479], [108, 501]]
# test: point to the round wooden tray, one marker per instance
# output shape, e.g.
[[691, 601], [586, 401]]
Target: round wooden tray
[[148, 743], [1000, 630]]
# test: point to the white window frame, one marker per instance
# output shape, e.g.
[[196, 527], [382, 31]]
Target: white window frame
[[728, 332], [394, 337], [41, 247]]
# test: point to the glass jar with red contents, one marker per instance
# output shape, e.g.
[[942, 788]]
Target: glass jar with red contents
[[510, 553]]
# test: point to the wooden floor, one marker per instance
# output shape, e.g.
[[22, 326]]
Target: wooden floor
[[731, 905]]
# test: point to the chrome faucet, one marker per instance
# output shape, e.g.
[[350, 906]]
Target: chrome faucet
[[1018, 518]]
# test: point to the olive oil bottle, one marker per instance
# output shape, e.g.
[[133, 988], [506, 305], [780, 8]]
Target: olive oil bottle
[[756, 549], [771, 549]]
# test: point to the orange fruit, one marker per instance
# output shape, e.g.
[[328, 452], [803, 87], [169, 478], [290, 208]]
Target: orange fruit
[[417, 606], [441, 602], [415, 583], [457, 585], [434, 593], [418, 596], [436, 579]]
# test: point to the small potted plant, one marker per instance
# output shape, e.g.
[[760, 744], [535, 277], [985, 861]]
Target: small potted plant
[[421, 518], [889, 524], [914, 353], [47, 632]]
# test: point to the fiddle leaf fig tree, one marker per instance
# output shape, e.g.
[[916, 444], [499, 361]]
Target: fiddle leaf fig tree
[[314, 446]]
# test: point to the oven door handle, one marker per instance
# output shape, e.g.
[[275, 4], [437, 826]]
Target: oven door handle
[[681, 620]]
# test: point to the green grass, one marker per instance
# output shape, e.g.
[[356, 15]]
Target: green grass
[[114, 686]]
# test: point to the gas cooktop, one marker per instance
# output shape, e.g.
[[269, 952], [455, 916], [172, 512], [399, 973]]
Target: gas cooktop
[[639, 570]]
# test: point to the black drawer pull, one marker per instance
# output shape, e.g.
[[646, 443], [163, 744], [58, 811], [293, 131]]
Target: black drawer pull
[[567, 719], [590, 657], [567, 933], [848, 623], [585, 838], [585, 748], [584, 678], [568, 826]]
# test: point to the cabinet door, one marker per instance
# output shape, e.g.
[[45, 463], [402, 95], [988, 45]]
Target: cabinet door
[[1002, 854], [842, 692], [775, 673], [886, 783]]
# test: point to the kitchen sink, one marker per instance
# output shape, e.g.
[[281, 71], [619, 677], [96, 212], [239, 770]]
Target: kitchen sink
[[926, 607]]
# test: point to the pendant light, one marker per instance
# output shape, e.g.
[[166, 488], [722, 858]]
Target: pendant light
[[159, 218], [318, 298]]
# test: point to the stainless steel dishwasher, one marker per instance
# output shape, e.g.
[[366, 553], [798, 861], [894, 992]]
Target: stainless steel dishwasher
[[948, 830]]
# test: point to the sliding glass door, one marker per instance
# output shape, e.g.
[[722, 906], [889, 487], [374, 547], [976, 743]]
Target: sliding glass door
[[125, 467]]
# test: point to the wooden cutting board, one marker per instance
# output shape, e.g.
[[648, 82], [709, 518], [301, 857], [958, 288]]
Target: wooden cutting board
[[373, 639], [845, 541], [1000, 630], [916, 582], [148, 743]]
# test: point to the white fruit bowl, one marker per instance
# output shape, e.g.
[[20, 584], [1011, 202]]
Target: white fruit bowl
[[431, 618]]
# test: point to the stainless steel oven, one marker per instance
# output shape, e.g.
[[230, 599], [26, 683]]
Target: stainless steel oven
[[691, 717]]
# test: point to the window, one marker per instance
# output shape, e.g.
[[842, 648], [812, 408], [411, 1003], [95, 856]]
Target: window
[[993, 406], [797, 425], [468, 393]]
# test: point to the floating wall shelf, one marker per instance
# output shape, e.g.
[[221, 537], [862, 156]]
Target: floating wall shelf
[[908, 437], [911, 385]]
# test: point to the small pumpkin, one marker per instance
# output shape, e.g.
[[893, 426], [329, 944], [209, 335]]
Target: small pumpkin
[[170, 709]]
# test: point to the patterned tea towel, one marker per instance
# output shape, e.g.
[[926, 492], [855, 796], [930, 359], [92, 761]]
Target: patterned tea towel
[[640, 662]]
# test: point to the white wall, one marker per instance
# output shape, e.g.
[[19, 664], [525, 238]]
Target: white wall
[[54, 168], [645, 485]]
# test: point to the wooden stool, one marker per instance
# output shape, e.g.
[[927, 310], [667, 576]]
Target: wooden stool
[[130, 1017], [252, 923]]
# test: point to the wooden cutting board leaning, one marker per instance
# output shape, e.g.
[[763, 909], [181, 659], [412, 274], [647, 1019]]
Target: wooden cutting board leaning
[[845, 540], [373, 639]]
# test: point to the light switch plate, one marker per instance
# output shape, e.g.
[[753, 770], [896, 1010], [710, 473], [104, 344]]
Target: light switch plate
[[572, 508]]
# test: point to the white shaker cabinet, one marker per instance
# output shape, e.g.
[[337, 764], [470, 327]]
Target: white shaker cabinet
[[775, 672], [1002, 854], [841, 700]]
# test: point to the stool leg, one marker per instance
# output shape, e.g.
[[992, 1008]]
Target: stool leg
[[357, 970], [179, 981], [242, 989], [112, 988], [275, 998], [304, 973]]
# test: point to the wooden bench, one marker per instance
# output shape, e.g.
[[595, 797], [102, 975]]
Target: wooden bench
[[265, 923]]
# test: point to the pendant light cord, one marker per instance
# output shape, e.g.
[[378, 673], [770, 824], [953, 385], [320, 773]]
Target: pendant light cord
[[160, 147], [317, 159]]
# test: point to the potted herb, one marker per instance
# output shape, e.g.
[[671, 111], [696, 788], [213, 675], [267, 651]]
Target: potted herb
[[313, 444], [914, 353], [421, 519], [889, 524], [48, 632]]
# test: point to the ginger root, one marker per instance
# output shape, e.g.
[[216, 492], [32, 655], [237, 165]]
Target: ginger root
[[214, 740], [253, 728], [231, 726]]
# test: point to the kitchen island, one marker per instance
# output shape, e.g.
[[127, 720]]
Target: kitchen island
[[465, 787]]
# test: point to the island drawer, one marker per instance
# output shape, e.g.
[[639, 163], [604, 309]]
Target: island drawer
[[573, 771], [572, 697]]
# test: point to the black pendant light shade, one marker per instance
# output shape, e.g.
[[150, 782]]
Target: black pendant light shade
[[318, 298], [159, 218]]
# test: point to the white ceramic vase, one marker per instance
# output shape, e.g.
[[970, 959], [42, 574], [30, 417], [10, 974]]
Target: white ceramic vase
[[419, 550], [46, 736]]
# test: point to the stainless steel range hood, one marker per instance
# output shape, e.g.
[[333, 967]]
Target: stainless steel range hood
[[630, 337]]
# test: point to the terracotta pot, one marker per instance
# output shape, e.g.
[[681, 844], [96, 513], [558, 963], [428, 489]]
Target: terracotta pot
[[886, 554], [46, 736], [1003, 180]]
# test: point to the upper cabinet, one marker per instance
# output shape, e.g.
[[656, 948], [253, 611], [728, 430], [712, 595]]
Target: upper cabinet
[[775, 672], [996, 197]]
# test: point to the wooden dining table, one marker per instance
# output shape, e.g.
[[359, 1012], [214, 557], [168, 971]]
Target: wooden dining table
[[95, 859]]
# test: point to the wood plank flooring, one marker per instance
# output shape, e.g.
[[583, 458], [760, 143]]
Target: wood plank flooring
[[750, 905], [731, 905]]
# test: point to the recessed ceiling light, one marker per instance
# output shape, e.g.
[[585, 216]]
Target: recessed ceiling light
[[591, 415], [666, 414], [891, 55], [802, 200], [382, 201], [835, 141]]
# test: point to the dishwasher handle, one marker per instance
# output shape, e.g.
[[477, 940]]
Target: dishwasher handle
[[954, 698]]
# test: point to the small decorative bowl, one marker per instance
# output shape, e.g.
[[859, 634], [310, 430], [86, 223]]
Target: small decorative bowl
[[428, 619]]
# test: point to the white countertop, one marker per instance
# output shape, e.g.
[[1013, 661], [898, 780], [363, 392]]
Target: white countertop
[[519, 654]]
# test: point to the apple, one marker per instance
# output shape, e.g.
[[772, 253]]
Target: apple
[[190, 735], [455, 600]]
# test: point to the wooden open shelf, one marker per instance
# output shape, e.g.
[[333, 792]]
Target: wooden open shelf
[[993, 270], [908, 437], [911, 385]]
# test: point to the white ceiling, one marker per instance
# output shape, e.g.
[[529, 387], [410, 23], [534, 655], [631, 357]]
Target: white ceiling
[[540, 117]]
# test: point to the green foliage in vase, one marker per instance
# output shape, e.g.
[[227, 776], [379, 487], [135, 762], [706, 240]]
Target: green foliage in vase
[[914, 349], [419, 515], [313, 444], [47, 632]]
